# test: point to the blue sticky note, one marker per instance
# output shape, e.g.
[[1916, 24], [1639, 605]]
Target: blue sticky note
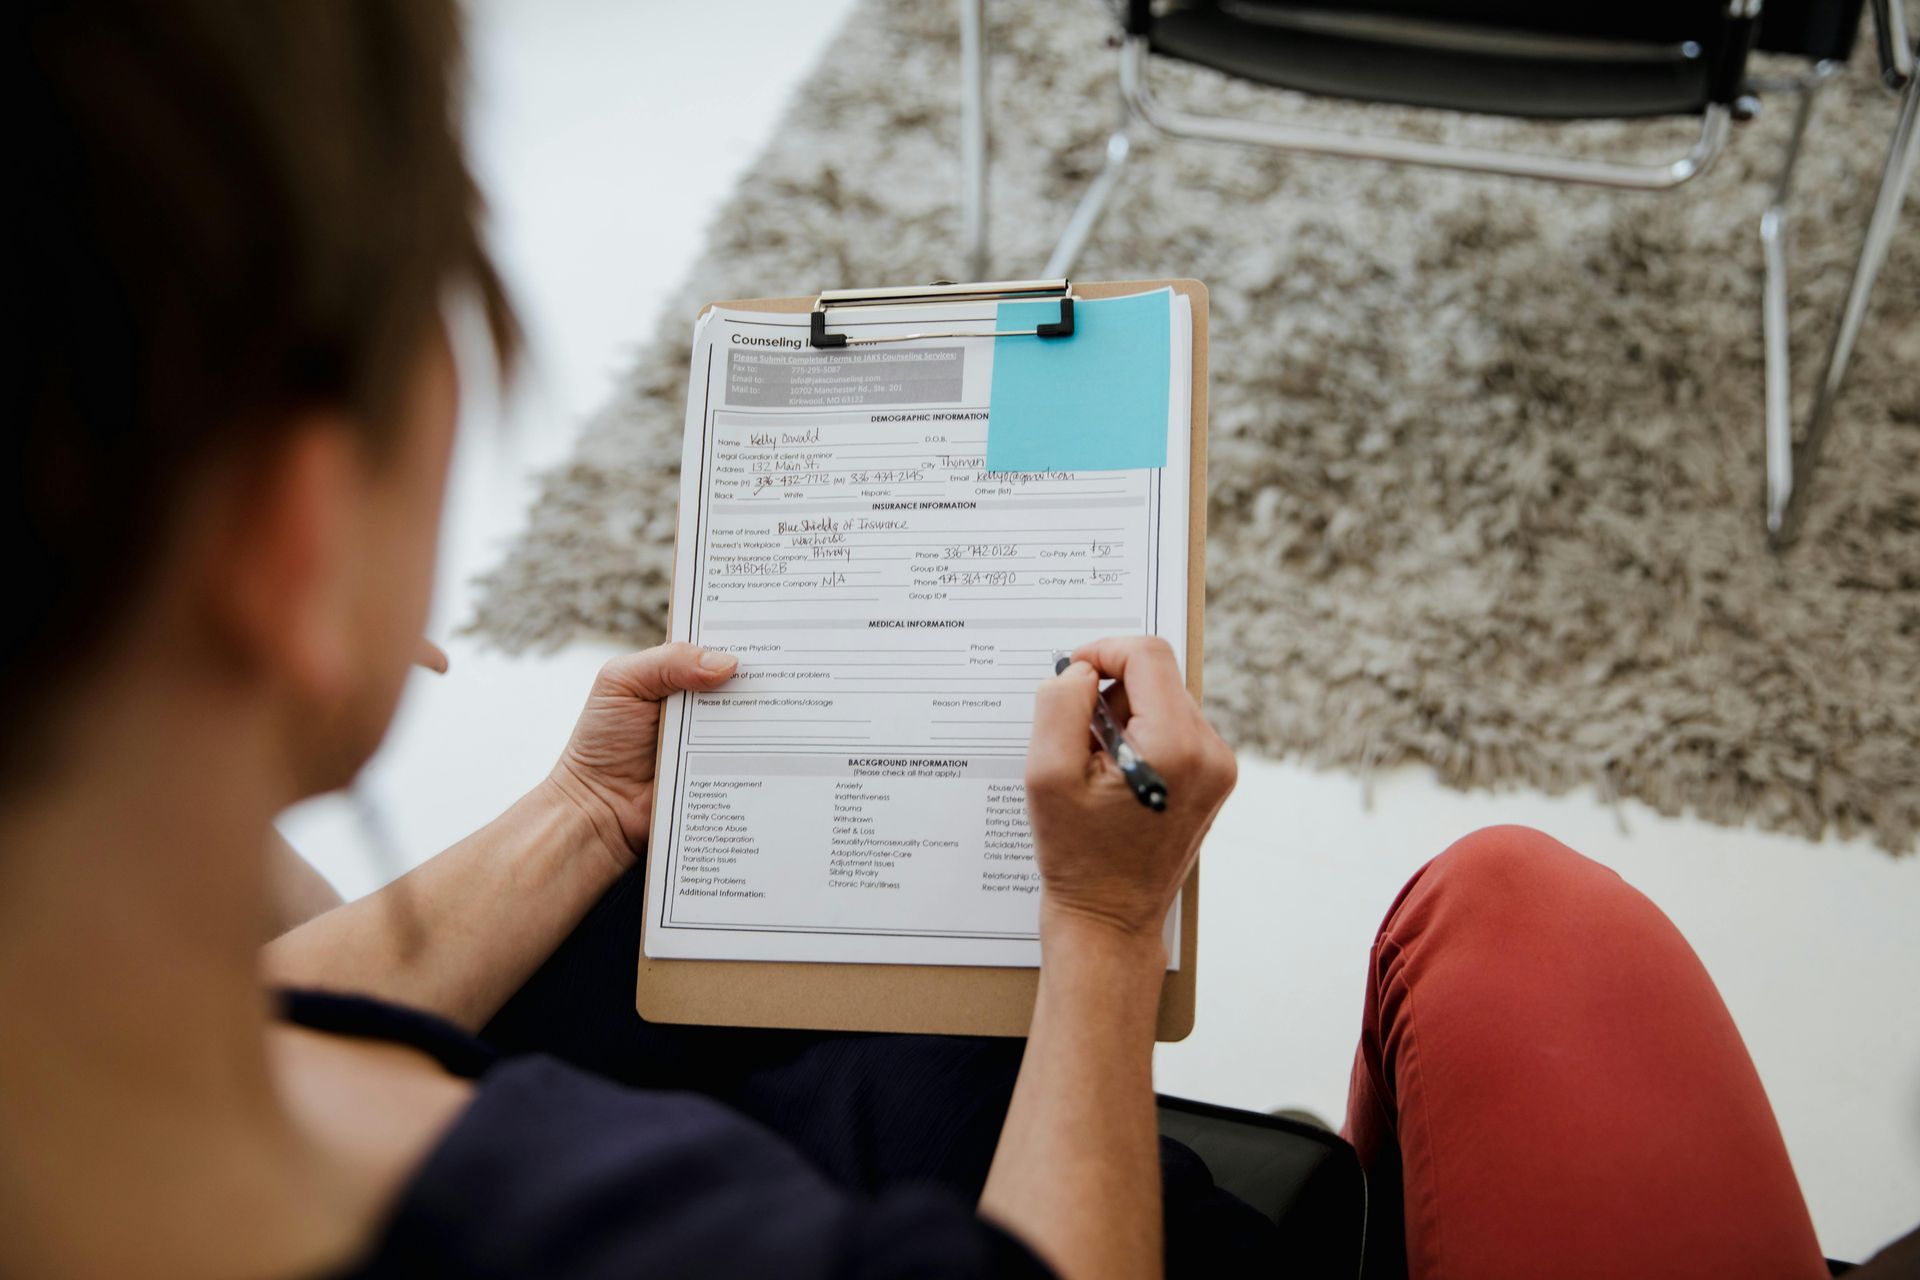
[[1096, 401]]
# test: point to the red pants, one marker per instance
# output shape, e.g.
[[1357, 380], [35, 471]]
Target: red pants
[[1548, 1086]]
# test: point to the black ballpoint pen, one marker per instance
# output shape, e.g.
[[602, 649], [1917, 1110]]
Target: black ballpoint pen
[[1148, 787]]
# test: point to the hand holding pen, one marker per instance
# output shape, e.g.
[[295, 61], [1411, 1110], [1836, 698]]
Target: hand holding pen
[[1103, 860], [1149, 788]]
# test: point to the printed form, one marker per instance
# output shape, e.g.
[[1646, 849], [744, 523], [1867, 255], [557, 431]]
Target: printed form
[[854, 793]]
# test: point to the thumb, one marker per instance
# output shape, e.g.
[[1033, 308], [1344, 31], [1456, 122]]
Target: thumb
[[1062, 712], [652, 674]]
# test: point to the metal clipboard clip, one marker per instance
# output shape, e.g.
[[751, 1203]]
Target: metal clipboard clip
[[945, 291]]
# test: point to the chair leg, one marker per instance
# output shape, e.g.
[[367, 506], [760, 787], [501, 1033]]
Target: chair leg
[[973, 132], [1086, 214], [1790, 477], [1773, 303]]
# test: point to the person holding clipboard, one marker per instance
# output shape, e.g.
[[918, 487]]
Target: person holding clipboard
[[228, 449]]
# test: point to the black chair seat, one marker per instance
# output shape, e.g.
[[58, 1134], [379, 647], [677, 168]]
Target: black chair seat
[[1308, 1181], [1430, 64]]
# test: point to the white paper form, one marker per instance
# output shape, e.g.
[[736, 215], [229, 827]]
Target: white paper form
[[855, 792]]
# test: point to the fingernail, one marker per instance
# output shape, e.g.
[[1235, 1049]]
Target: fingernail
[[715, 660], [431, 656]]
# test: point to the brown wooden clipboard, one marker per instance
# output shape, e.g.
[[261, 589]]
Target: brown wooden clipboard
[[941, 999]]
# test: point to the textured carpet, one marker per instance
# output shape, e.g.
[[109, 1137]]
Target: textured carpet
[[1486, 455]]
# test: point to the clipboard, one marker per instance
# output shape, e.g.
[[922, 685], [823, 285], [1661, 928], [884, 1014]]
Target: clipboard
[[941, 999]]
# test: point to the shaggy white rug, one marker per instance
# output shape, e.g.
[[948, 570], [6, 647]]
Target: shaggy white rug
[[1486, 455]]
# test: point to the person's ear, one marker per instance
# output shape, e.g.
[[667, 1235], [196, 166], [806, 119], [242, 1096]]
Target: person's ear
[[281, 580]]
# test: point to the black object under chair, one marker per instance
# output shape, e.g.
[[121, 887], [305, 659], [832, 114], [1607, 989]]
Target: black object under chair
[[1306, 1180], [1303, 1178]]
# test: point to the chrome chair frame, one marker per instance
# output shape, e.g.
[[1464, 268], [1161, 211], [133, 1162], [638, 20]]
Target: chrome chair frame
[[1790, 469], [1785, 501], [1140, 108]]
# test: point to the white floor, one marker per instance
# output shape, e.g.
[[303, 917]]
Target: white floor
[[601, 181]]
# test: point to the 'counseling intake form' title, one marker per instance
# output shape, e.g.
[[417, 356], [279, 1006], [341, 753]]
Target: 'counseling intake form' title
[[854, 792]]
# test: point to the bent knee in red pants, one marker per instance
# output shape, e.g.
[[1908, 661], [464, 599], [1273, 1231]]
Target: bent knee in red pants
[[1548, 1084]]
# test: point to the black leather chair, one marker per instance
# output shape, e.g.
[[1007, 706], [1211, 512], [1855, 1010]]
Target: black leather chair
[[1543, 61], [1308, 1181], [1577, 59]]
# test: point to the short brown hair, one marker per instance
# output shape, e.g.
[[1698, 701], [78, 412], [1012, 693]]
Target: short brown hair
[[231, 210]]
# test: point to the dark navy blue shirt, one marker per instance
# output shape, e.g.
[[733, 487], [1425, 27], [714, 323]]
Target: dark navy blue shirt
[[599, 1145]]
